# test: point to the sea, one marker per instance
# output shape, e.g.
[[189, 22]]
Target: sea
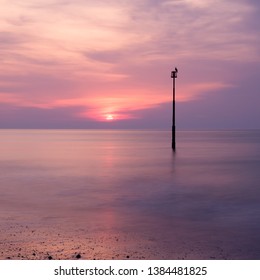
[[201, 201]]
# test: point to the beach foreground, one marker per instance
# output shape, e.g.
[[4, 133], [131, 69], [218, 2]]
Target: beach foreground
[[20, 242], [69, 194]]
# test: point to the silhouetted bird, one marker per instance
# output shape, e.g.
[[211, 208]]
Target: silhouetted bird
[[176, 70]]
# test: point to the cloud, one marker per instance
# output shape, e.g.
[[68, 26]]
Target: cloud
[[113, 56], [30, 117], [10, 39], [105, 56]]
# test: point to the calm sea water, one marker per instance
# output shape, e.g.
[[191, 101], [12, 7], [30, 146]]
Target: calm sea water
[[206, 195]]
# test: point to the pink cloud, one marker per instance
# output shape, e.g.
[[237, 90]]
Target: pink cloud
[[109, 57]]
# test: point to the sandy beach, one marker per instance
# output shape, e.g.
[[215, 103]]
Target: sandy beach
[[36, 242]]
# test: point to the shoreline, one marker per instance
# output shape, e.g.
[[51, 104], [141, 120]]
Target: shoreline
[[35, 242]]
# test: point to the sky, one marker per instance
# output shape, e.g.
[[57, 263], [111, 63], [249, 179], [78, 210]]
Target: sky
[[107, 64]]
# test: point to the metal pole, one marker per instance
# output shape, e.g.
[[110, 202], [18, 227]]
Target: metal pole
[[173, 115], [174, 76]]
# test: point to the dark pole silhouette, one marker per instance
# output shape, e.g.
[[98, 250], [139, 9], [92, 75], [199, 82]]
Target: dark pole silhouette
[[173, 76]]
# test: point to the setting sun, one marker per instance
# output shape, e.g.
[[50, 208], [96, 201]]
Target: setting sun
[[109, 117]]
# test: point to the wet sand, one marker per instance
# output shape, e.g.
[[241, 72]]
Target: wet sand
[[36, 242]]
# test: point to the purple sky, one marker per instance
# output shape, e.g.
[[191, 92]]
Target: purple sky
[[107, 63]]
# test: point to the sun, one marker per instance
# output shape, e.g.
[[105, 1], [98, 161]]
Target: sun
[[109, 117]]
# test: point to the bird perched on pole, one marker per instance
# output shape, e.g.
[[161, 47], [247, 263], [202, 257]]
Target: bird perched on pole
[[176, 70]]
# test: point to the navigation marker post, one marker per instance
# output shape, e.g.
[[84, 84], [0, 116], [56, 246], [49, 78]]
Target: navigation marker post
[[173, 76]]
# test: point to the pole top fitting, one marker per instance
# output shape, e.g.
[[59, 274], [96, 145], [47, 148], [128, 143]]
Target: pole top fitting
[[174, 73]]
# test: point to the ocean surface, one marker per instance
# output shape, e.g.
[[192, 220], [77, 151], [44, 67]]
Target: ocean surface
[[203, 199]]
